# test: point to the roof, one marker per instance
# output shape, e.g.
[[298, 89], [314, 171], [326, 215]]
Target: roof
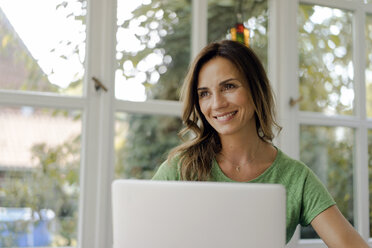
[[21, 128]]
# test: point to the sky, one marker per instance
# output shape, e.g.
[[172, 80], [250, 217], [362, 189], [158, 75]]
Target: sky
[[42, 27]]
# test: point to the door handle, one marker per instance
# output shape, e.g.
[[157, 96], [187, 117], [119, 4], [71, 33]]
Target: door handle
[[98, 85]]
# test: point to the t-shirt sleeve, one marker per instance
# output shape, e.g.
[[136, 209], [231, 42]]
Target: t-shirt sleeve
[[167, 172], [315, 200]]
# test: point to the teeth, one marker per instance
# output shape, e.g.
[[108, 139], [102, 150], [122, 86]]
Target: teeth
[[225, 117]]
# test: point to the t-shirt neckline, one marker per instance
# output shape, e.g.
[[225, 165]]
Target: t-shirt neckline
[[216, 169]]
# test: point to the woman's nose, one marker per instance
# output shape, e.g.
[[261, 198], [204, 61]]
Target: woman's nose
[[219, 101]]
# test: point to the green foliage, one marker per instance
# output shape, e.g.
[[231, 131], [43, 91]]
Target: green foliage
[[321, 53], [150, 137], [368, 32], [173, 21], [145, 145], [329, 152], [52, 185], [222, 15], [14, 53], [370, 177]]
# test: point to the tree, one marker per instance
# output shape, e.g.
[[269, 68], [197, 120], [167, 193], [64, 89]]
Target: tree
[[327, 86], [53, 184]]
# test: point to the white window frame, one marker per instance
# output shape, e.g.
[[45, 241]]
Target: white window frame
[[99, 108], [282, 63]]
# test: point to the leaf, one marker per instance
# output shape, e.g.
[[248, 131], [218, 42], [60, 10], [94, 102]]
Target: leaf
[[5, 40]]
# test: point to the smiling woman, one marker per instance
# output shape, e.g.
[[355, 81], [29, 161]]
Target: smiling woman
[[229, 109]]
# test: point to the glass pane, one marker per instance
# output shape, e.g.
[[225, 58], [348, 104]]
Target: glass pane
[[46, 52], [39, 177], [370, 179], [369, 64], [222, 15], [153, 48], [142, 143], [329, 152], [326, 69]]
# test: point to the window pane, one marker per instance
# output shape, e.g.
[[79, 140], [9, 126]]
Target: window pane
[[153, 48], [369, 64], [142, 143], [370, 179], [46, 52], [329, 152], [222, 15], [326, 70], [39, 176]]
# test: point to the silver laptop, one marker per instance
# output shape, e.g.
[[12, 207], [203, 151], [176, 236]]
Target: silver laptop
[[165, 214]]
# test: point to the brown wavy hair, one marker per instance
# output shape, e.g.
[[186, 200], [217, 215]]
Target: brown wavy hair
[[201, 142]]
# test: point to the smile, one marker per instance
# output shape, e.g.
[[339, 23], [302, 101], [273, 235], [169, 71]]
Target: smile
[[226, 117]]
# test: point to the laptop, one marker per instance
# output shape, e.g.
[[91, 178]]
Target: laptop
[[169, 214]]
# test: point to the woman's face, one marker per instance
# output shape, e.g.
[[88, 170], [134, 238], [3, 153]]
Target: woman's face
[[224, 98]]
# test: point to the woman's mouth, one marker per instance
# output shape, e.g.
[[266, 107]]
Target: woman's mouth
[[226, 116]]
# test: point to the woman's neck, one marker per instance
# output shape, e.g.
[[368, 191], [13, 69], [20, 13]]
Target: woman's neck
[[241, 149], [243, 159]]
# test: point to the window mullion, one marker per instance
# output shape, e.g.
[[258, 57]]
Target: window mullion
[[361, 162], [150, 107], [282, 71], [343, 4], [199, 26], [37, 99], [283, 64], [361, 185], [97, 158]]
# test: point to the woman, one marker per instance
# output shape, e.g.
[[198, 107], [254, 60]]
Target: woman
[[229, 118]]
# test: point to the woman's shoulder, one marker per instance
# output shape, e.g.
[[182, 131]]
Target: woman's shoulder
[[290, 164], [289, 170], [169, 170]]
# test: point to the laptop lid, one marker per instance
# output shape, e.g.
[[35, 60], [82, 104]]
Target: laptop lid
[[168, 214]]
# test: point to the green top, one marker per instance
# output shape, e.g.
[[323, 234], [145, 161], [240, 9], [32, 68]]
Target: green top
[[306, 195]]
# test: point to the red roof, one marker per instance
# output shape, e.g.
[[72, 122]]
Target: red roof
[[20, 130]]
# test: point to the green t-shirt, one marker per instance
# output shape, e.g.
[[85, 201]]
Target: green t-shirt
[[306, 195]]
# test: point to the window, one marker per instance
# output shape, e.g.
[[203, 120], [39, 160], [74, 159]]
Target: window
[[326, 84], [150, 36], [47, 54], [39, 184], [43, 60], [368, 75], [329, 152], [333, 105], [223, 16]]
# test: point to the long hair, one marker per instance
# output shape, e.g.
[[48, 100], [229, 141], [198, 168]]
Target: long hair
[[201, 142]]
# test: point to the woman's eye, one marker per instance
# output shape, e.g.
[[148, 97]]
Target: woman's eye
[[228, 86], [203, 94]]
